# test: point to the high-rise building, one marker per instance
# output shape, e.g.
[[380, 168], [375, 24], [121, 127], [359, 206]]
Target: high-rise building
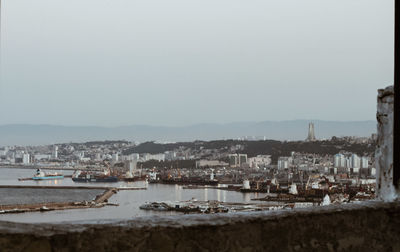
[[55, 152], [364, 162], [158, 157], [233, 159], [236, 160], [283, 164], [336, 160], [355, 161], [340, 161], [26, 158], [170, 155], [260, 160], [348, 163], [134, 157], [242, 159], [311, 133]]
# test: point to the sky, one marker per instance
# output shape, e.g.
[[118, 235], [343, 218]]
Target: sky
[[183, 62]]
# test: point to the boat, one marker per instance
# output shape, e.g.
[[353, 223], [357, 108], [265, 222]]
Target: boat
[[198, 180], [188, 181], [190, 206], [93, 177], [40, 175], [130, 177], [171, 206], [134, 179], [155, 206]]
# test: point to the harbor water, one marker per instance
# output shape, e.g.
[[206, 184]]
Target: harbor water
[[128, 201]]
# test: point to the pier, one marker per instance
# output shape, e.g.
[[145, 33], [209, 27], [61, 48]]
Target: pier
[[29, 199], [22, 199], [42, 167], [72, 187]]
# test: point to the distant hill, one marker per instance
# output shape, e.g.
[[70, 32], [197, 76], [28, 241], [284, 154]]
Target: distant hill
[[24, 134], [254, 148]]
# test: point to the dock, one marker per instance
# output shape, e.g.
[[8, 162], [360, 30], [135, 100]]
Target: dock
[[35, 167], [72, 187], [55, 187], [210, 207], [100, 200], [228, 188], [288, 198], [62, 198]]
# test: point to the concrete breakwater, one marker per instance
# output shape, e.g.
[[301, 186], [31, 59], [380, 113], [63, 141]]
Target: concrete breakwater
[[30, 199], [72, 187], [67, 168]]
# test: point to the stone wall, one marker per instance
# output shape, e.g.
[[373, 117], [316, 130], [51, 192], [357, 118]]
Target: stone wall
[[384, 151], [371, 226]]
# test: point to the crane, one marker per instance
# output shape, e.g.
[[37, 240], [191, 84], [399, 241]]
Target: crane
[[309, 179], [106, 164]]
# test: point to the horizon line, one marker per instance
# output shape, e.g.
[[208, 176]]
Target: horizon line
[[181, 126]]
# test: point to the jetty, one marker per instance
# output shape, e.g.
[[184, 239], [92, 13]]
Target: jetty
[[27, 198], [63, 202]]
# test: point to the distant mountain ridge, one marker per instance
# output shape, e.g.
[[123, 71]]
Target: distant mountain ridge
[[26, 134]]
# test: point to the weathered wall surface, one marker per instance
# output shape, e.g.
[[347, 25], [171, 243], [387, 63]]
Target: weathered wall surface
[[374, 226], [384, 151]]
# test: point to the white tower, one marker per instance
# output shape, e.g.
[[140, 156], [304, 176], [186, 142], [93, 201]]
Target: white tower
[[55, 152], [311, 134], [25, 158]]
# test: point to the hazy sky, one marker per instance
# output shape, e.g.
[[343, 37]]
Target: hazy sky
[[181, 62]]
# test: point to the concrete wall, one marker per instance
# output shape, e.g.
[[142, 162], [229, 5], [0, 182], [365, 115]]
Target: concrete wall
[[384, 151], [371, 226]]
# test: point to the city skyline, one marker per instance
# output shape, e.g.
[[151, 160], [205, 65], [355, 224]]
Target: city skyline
[[283, 131]]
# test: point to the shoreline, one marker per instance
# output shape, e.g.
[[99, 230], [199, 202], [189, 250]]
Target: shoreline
[[47, 167]]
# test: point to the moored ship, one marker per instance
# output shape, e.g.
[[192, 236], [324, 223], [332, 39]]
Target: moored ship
[[80, 176], [134, 179], [192, 180], [40, 175], [188, 181]]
